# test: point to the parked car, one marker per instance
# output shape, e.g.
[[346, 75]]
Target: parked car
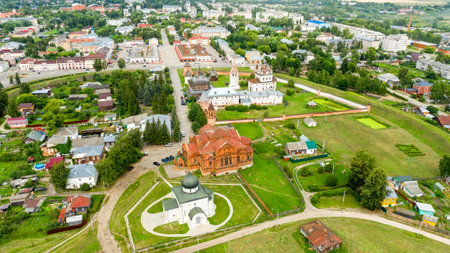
[[169, 144], [171, 157], [164, 160], [183, 134], [156, 164], [40, 189], [145, 153]]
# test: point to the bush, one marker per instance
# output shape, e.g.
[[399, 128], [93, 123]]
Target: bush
[[329, 168], [85, 187], [305, 172], [242, 108], [230, 108], [313, 188], [7, 126], [332, 180], [321, 170], [289, 92], [290, 125]]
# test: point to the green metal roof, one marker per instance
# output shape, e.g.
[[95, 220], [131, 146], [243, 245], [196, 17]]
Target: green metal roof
[[184, 197], [311, 145], [189, 181], [169, 204], [194, 211]]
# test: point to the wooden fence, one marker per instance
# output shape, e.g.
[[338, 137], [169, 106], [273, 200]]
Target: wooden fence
[[58, 230], [254, 194]]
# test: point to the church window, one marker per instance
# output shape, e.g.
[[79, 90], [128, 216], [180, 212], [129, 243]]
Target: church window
[[238, 158], [210, 163]]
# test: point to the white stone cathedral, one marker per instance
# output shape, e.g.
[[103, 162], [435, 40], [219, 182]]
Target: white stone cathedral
[[234, 77]]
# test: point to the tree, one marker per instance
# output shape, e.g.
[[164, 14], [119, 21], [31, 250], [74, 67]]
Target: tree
[[1, 85], [24, 88], [52, 115], [361, 166], [371, 55], [3, 102], [85, 187], [58, 175], [18, 82], [405, 77], [148, 132], [332, 180], [444, 166], [12, 107], [11, 80], [440, 91], [98, 65], [374, 190], [121, 63], [155, 103]]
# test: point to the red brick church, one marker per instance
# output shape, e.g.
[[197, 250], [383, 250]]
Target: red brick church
[[216, 151]]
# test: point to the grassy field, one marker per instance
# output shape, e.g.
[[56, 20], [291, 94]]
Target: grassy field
[[330, 104], [222, 211], [336, 202], [221, 80], [172, 228], [271, 186], [409, 150], [244, 209], [318, 181], [265, 150], [84, 242], [141, 237], [6, 168], [434, 137], [250, 130], [357, 235], [130, 196], [371, 123]]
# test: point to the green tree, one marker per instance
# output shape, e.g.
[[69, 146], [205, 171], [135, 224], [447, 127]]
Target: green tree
[[374, 190], [107, 170], [98, 65], [12, 107], [3, 102], [52, 116], [371, 55], [58, 175], [361, 166], [165, 134], [155, 104], [24, 88], [444, 166], [11, 80], [405, 77], [176, 130], [332, 180], [1, 85], [18, 82], [440, 91], [121, 63], [147, 132]]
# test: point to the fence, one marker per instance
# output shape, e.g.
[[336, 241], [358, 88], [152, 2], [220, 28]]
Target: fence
[[293, 116], [405, 197], [417, 223], [254, 194], [58, 230], [308, 158], [293, 186], [65, 123]]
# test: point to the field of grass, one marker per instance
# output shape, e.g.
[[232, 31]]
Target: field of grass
[[357, 235], [172, 228], [244, 209], [336, 202], [84, 242], [141, 237], [222, 211], [156, 208], [330, 104], [410, 150], [6, 168], [130, 196], [317, 182], [250, 130], [271, 186], [221, 80], [265, 150], [371, 123]]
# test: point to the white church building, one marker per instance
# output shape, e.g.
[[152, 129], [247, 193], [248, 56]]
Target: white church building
[[190, 203], [262, 90]]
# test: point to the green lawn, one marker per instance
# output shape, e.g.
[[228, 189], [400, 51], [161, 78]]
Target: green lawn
[[336, 202], [128, 198], [172, 228], [221, 80], [318, 181], [141, 237], [250, 130], [272, 187], [371, 123], [6, 168], [334, 106], [244, 209], [222, 211], [357, 235], [265, 150], [157, 208], [411, 126], [84, 242]]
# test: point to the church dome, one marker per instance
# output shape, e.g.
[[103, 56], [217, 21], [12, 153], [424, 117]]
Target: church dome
[[189, 181]]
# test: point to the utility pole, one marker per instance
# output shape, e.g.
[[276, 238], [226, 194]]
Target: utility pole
[[323, 145], [418, 231], [343, 198], [332, 172]]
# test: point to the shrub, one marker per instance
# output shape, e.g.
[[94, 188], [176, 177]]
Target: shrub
[[315, 199], [289, 92], [242, 108], [85, 187], [305, 172], [290, 125], [7, 126], [321, 170], [329, 168], [332, 180], [313, 188]]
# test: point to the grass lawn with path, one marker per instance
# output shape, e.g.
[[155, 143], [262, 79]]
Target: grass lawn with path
[[272, 187], [172, 228], [128, 198], [250, 130], [357, 235], [222, 211], [84, 242], [244, 211]]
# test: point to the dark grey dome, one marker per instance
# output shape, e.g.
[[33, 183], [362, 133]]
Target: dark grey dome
[[189, 181]]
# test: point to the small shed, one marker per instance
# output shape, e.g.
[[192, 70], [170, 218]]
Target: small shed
[[424, 208], [74, 220], [429, 219], [405, 213], [310, 122], [311, 104], [439, 186]]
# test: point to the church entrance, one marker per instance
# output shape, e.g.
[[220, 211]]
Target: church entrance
[[198, 220]]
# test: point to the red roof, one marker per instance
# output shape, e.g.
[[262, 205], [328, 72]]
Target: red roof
[[444, 120], [17, 121], [53, 161], [78, 201], [105, 103], [30, 203]]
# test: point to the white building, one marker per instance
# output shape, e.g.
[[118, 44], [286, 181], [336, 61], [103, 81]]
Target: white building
[[143, 54], [213, 14], [232, 57], [310, 122], [263, 80], [4, 66], [245, 14], [190, 203], [80, 174], [116, 22], [440, 68], [163, 119], [205, 31], [124, 30], [389, 79], [394, 43], [360, 31], [234, 77], [367, 42], [172, 8]]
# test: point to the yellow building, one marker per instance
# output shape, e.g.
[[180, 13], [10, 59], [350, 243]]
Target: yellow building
[[430, 220], [390, 199]]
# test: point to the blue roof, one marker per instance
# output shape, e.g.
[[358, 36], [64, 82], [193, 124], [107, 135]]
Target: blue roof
[[316, 22], [82, 170], [311, 145], [423, 84], [88, 150]]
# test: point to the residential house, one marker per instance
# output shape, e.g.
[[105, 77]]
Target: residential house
[[429, 219], [444, 121], [42, 92], [320, 237], [17, 122], [106, 105], [389, 79], [87, 154], [77, 97], [390, 199], [81, 174], [422, 88], [312, 104], [440, 68], [310, 122], [74, 205], [20, 182], [18, 199], [439, 186], [53, 161], [26, 109], [412, 189], [35, 136], [61, 136], [253, 56], [301, 148], [424, 208], [109, 140], [33, 205], [4, 208]]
